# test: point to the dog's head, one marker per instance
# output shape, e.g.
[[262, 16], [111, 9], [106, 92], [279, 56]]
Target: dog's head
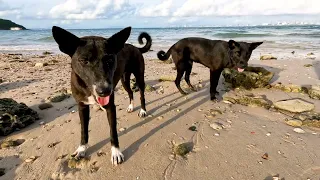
[[240, 53], [94, 59]]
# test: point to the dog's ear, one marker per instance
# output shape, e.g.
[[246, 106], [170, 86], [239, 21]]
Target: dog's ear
[[68, 42], [254, 45], [233, 44], [116, 42]]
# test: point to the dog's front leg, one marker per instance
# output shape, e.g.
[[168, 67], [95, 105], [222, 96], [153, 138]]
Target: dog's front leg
[[214, 80], [116, 155], [84, 114]]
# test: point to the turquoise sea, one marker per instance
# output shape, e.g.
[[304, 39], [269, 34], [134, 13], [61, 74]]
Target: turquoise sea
[[277, 39]]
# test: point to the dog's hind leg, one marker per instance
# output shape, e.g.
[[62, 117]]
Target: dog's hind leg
[[125, 80], [84, 114], [180, 71], [141, 85], [188, 66], [214, 80]]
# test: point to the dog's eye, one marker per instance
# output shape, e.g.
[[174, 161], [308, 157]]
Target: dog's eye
[[84, 61]]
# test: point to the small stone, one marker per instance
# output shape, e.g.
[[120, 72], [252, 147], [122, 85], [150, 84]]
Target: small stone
[[52, 145], [310, 54], [294, 123], [31, 159], [42, 123], [268, 134], [178, 110], [59, 97], [308, 65], [193, 128], [216, 126], [160, 118], [299, 130], [45, 106], [216, 134], [40, 64], [200, 110], [265, 156], [267, 57], [122, 129]]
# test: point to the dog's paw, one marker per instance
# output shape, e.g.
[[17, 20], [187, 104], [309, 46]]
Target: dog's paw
[[130, 108], [80, 152], [142, 113], [116, 156]]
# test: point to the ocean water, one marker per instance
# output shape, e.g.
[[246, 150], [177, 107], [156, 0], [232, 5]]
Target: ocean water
[[278, 40]]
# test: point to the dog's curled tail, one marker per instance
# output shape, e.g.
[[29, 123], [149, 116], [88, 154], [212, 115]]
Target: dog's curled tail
[[147, 47], [163, 55]]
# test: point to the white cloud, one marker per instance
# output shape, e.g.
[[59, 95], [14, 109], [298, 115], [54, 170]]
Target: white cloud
[[90, 9], [162, 9], [6, 10], [247, 7]]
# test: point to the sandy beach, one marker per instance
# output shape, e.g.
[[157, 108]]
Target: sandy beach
[[233, 152]]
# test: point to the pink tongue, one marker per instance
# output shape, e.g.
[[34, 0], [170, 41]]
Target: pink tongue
[[240, 70], [103, 101]]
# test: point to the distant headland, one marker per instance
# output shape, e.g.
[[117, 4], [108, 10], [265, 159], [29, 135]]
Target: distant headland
[[9, 25]]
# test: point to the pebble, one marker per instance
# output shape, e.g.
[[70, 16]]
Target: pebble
[[30, 159], [216, 134], [42, 123], [122, 129], [160, 118], [268, 134], [294, 123], [299, 130], [216, 126], [45, 106]]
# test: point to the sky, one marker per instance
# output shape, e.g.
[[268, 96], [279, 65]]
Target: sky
[[89, 14]]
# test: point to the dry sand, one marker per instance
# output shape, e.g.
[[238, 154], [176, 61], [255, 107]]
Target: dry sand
[[231, 153]]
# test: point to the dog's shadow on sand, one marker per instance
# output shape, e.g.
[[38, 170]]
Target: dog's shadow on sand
[[131, 149], [7, 86]]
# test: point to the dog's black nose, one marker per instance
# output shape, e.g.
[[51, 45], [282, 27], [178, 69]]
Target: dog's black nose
[[103, 91]]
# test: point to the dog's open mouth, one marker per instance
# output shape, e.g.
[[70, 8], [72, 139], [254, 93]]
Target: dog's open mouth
[[240, 70], [103, 101]]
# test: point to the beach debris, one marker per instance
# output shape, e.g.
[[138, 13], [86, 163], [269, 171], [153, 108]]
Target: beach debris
[[265, 156], [249, 101], [267, 57], [182, 149], [217, 126], [74, 163], [61, 157], [101, 153], [251, 78], [44, 106], [310, 54], [41, 64], [299, 130], [11, 143], [14, 115], [52, 145], [308, 65], [161, 90], [167, 78], [294, 123], [31, 159], [192, 128], [294, 105], [149, 88], [47, 53], [58, 97], [314, 92]]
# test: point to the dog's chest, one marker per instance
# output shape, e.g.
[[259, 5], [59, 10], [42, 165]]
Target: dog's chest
[[90, 101]]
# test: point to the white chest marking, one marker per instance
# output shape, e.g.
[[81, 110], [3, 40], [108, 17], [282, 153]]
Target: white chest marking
[[90, 101]]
